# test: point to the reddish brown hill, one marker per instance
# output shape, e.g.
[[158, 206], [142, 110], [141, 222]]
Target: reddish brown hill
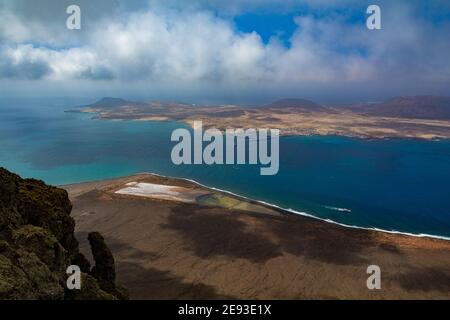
[[419, 107]]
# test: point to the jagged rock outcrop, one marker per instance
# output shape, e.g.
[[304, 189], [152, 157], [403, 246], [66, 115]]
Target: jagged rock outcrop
[[37, 244], [104, 270]]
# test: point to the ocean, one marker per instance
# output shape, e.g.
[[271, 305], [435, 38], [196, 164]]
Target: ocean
[[397, 185]]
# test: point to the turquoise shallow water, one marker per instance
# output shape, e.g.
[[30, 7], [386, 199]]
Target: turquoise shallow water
[[400, 185]]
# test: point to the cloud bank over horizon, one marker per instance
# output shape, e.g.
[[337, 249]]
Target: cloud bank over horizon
[[164, 50]]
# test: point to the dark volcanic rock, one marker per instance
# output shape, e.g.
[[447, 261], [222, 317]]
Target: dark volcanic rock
[[37, 244], [104, 270], [104, 261]]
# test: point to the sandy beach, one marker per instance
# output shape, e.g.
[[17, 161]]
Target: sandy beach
[[174, 239]]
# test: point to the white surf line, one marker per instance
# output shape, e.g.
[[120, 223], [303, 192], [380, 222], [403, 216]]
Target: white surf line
[[338, 209], [417, 235]]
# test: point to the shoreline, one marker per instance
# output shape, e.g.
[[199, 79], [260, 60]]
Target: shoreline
[[221, 246], [268, 205]]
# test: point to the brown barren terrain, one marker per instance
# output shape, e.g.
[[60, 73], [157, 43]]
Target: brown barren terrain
[[231, 248], [296, 117]]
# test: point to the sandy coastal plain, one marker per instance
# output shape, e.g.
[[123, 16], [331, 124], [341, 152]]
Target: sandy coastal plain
[[224, 246]]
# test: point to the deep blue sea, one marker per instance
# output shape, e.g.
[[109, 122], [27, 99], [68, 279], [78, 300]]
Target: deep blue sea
[[401, 185]]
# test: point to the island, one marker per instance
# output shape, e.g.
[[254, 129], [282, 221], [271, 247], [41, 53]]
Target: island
[[422, 117]]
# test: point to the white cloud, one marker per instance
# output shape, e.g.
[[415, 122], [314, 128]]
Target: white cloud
[[26, 61], [196, 47]]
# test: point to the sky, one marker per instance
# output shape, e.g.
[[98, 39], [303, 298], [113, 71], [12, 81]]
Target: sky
[[232, 51]]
